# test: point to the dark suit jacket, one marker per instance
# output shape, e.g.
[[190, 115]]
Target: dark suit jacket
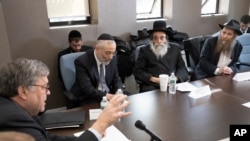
[[68, 51], [248, 30], [147, 65], [87, 78], [208, 60], [15, 118]]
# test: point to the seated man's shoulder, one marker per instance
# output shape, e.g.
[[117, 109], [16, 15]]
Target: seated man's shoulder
[[145, 48], [64, 51], [86, 48], [84, 58], [172, 44], [7, 104]]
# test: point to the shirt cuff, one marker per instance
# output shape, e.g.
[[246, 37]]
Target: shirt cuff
[[216, 72], [97, 134]]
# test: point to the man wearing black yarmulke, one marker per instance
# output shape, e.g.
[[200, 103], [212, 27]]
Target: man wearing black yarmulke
[[75, 45], [244, 23], [96, 73]]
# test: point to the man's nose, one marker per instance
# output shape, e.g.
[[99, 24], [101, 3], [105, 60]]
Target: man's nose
[[48, 92], [224, 36], [111, 56]]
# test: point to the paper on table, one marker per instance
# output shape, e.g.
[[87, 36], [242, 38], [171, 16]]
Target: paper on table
[[185, 87], [94, 113], [200, 92], [112, 134], [243, 76], [247, 104], [226, 139]]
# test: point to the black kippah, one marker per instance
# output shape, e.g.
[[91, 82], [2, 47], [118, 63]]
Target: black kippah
[[105, 36], [74, 34]]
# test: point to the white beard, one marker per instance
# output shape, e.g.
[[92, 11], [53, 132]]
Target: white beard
[[159, 50]]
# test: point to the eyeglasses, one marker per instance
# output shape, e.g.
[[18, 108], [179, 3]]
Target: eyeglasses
[[46, 88]]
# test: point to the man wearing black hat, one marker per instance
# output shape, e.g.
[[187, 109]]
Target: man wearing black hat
[[160, 57], [75, 45], [96, 72], [220, 54]]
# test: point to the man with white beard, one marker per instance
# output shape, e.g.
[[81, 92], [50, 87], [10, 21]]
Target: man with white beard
[[159, 57], [220, 54]]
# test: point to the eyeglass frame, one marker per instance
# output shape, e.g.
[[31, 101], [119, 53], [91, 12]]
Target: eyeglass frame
[[44, 87]]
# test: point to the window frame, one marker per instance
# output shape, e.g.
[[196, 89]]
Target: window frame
[[216, 9], [156, 17], [53, 22]]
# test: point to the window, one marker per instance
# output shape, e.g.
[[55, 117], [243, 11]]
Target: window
[[209, 7], [68, 12], [148, 9]]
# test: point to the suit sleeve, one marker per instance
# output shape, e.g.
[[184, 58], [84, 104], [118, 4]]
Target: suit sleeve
[[116, 82], [86, 136], [237, 51]]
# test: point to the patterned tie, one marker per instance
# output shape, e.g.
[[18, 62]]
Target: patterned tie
[[102, 79]]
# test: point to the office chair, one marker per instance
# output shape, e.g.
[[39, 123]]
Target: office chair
[[67, 67], [192, 48], [244, 59], [137, 51]]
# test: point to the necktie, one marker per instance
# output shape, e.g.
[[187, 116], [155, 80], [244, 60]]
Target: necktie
[[102, 79]]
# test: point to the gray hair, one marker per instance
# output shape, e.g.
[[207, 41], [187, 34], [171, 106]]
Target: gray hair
[[102, 43], [21, 72]]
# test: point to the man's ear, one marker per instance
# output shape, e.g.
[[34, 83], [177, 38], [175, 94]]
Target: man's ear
[[21, 90]]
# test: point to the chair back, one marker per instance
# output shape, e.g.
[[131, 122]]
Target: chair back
[[244, 59], [137, 51], [192, 48], [67, 67]]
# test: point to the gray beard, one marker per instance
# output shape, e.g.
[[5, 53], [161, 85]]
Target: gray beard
[[159, 50]]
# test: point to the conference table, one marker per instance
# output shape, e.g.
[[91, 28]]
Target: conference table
[[178, 117]]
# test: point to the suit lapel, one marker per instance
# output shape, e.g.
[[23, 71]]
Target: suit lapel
[[94, 70], [164, 61]]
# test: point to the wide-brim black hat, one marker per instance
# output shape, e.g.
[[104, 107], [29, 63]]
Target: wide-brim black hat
[[160, 26], [232, 24]]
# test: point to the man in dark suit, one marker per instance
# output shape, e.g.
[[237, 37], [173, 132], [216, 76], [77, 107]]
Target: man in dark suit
[[75, 45], [220, 53], [244, 24], [88, 85], [160, 57], [23, 92]]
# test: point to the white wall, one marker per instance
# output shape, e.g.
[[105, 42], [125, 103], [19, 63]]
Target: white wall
[[27, 34]]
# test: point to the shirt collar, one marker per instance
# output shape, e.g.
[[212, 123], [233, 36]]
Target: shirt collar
[[98, 62]]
